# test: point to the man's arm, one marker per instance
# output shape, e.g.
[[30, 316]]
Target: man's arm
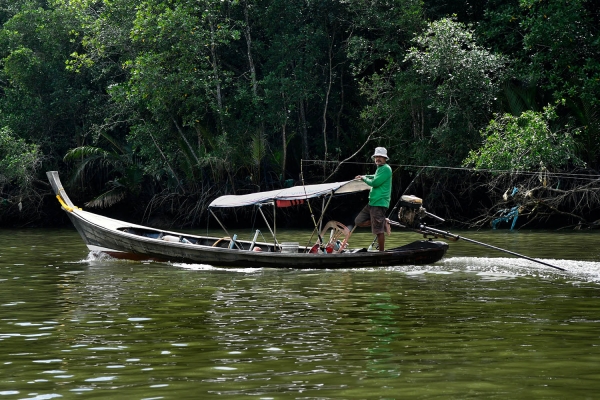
[[381, 176]]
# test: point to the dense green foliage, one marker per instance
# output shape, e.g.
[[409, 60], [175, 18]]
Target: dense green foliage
[[18, 160], [526, 143], [168, 103]]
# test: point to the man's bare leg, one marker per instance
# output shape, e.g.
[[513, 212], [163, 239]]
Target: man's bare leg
[[381, 241]]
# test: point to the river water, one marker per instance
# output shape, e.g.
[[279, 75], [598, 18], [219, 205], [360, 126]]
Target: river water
[[478, 324]]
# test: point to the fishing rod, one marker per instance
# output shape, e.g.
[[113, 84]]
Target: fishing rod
[[447, 235]]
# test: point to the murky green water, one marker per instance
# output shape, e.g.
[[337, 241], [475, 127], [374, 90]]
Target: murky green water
[[479, 324]]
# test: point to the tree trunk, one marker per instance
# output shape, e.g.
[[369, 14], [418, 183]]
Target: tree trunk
[[418, 120], [341, 110], [284, 135], [326, 105], [303, 129], [215, 66], [253, 80], [249, 51]]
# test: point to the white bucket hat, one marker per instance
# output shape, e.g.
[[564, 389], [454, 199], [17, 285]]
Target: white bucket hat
[[380, 151]]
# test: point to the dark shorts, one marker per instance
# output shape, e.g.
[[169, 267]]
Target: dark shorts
[[374, 216]]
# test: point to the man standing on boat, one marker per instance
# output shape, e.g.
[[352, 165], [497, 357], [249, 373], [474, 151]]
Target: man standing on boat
[[373, 214]]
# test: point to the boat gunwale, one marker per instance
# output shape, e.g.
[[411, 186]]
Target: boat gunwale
[[119, 231]]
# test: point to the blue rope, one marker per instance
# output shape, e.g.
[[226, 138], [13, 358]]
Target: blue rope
[[506, 215]]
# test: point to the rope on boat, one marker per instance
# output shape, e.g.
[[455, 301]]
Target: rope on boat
[[64, 206]]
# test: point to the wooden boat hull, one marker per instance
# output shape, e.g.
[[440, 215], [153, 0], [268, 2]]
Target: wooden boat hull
[[118, 242], [124, 240]]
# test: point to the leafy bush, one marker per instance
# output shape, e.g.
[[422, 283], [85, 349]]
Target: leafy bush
[[19, 160], [525, 142]]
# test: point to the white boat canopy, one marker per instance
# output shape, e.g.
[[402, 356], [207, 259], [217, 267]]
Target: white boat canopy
[[290, 194]]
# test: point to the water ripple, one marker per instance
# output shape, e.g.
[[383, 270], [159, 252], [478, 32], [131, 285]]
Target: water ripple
[[470, 324]]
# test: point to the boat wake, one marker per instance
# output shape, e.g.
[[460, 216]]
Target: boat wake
[[509, 268], [206, 267], [94, 256], [486, 268]]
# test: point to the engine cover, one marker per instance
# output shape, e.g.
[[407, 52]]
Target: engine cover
[[411, 211]]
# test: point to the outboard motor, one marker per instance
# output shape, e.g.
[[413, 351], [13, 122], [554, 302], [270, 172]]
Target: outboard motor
[[412, 212]]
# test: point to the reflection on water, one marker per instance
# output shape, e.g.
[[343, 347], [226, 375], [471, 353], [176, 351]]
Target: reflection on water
[[470, 326]]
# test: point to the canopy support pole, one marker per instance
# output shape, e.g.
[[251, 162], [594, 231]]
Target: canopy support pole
[[323, 207], [220, 223], [275, 223], [268, 226], [318, 224], [225, 229]]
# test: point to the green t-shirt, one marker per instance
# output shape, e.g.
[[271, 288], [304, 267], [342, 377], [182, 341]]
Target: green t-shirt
[[381, 186]]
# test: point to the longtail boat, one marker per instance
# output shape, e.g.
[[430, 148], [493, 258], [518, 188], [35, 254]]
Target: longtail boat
[[122, 239]]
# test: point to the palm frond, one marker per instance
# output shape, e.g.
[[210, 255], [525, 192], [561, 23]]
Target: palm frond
[[113, 142], [83, 152], [258, 148], [108, 198], [89, 156], [520, 98]]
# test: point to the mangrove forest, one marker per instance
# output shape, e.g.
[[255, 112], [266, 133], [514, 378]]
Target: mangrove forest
[[149, 109]]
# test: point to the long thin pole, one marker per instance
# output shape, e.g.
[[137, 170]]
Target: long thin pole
[[225, 229], [320, 223], [274, 222], [511, 252], [427, 229], [312, 215], [219, 221], [268, 226]]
